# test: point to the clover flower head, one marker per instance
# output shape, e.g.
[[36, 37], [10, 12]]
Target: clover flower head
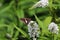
[[33, 29], [41, 3], [53, 28]]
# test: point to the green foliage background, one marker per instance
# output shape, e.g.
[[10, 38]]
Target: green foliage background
[[12, 10]]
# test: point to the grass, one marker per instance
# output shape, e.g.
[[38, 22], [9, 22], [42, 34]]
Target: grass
[[11, 12]]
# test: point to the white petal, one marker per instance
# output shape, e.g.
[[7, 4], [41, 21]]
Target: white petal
[[53, 28]]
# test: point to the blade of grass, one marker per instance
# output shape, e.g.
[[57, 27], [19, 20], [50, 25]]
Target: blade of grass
[[39, 21], [47, 21], [21, 31], [6, 8]]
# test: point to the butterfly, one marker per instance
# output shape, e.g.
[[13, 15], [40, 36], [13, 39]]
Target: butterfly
[[25, 20]]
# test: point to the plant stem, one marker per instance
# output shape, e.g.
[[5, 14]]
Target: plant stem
[[53, 36], [51, 10]]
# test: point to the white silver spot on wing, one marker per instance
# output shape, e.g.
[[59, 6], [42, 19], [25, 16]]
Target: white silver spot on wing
[[25, 20]]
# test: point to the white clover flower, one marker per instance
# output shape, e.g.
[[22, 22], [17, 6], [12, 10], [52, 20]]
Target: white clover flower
[[53, 28], [33, 29], [41, 3]]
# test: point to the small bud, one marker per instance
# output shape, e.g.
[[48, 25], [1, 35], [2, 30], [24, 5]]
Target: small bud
[[0, 4], [8, 36]]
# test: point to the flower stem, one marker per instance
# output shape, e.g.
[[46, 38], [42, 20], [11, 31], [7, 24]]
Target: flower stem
[[53, 37]]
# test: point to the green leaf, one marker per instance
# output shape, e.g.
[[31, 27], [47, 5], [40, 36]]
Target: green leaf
[[16, 34], [21, 31], [47, 21], [39, 21], [3, 33], [6, 8], [31, 12], [20, 13], [39, 10]]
